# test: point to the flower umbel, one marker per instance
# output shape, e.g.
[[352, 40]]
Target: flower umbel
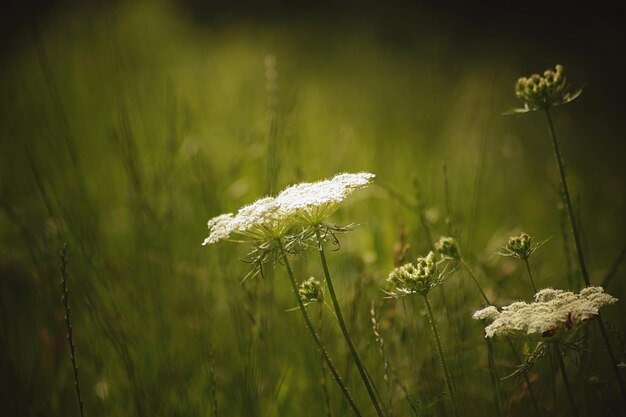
[[551, 312], [417, 278], [448, 247], [273, 217], [521, 247], [543, 91]]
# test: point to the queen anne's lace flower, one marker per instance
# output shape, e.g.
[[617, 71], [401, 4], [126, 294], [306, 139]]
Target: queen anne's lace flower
[[551, 311], [272, 217], [543, 91], [416, 278]]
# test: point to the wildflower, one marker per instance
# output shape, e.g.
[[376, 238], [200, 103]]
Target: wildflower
[[543, 91], [311, 291], [521, 247], [273, 217], [552, 310], [312, 203], [448, 247], [416, 278]]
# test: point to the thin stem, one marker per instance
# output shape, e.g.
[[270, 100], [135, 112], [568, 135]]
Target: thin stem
[[471, 274], [568, 389], [344, 329], [566, 200], [579, 249], [530, 275], [494, 378], [442, 358], [323, 376], [317, 340], [526, 379], [68, 323]]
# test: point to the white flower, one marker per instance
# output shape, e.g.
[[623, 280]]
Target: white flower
[[312, 203], [269, 217], [551, 311]]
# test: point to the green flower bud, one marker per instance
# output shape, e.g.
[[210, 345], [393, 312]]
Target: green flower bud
[[448, 247], [311, 290]]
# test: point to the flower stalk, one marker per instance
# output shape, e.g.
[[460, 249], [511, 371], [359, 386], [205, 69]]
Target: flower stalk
[[316, 338], [579, 250], [442, 359], [342, 325]]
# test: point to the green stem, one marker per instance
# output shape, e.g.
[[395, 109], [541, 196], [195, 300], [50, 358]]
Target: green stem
[[471, 274], [323, 375], [486, 299], [526, 379], [568, 389], [70, 328], [344, 329], [442, 359], [494, 378], [579, 250], [317, 340], [530, 275]]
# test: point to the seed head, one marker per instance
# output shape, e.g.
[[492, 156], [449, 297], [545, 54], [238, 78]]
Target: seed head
[[311, 290], [539, 92], [448, 247]]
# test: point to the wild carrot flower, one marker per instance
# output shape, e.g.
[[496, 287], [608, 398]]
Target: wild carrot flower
[[540, 92], [551, 312], [521, 247], [417, 278]]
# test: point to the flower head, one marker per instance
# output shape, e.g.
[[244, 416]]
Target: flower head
[[311, 291], [521, 246], [543, 91], [448, 247], [312, 203], [551, 312], [417, 278], [273, 217]]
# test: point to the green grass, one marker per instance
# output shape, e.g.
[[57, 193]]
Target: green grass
[[168, 124]]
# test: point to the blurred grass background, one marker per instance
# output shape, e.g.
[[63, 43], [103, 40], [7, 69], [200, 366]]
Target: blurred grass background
[[126, 126]]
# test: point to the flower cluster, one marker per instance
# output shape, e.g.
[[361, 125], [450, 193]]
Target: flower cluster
[[417, 278], [311, 291], [302, 204], [521, 247], [543, 91], [448, 247], [552, 310]]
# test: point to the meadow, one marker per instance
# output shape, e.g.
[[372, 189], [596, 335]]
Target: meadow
[[124, 130]]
